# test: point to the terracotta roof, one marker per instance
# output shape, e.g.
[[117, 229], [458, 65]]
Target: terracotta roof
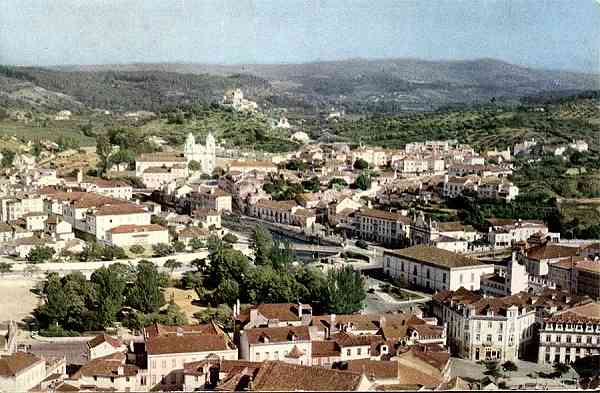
[[137, 228], [107, 366], [14, 364], [278, 334], [589, 266], [569, 262], [225, 366], [161, 157], [113, 210], [374, 368], [106, 183], [325, 349], [385, 215], [104, 338], [345, 339], [585, 313], [284, 205], [551, 251], [280, 311], [434, 256], [280, 376], [161, 339]]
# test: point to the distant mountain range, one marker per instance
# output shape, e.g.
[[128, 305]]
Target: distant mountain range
[[357, 85]]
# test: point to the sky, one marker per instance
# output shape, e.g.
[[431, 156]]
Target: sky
[[552, 34]]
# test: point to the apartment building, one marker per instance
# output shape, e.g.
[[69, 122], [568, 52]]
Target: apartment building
[[391, 228], [13, 208], [112, 188], [211, 198], [486, 328], [158, 160], [506, 232], [169, 348], [287, 343], [282, 212], [570, 334], [506, 281], [128, 235], [434, 269], [157, 176]]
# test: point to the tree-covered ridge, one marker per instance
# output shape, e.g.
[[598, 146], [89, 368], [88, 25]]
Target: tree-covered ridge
[[133, 90], [559, 120]]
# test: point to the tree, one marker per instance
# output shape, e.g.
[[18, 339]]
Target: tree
[[492, 370], [509, 366], [363, 181], [191, 280], [8, 158], [103, 149], [40, 254], [281, 254], [121, 156], [146, 294], [194, 166], [312, 185], [561, 368], [230, 238], [344, 291], [196, 243], [172, 265], [262, 244], [137, 249], [360, 164], [92, 251], [5, 267], [163, 250], [227, 292], [221, 315], [179, 246], [158, 220], [110, 253], [109, 285], [268, 285], [337, 182], [174, 316]]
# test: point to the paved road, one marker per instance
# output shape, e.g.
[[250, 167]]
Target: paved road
[[378, 303]]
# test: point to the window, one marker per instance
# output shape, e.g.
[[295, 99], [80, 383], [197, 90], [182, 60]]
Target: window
[[558, 339], [578, 339], [276, 355], [472, 277], [174, 363], [444, 278], [402, 266], [548, 338], [267, 355], [415, 270], [511, 340], [348, 352], [164, 364], [460, 278], [477, 337], [588, 340], [478, 325], [257, 355], [489, 324], [358, 351], [499, 338], [388, 263], [568, 338], [489, 338]]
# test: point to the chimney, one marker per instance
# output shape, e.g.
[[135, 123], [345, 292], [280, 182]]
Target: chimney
[[253, 315]]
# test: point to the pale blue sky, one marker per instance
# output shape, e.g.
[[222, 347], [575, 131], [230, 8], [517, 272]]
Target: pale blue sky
[[558, 34]]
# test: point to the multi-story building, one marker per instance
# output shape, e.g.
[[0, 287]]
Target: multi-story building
[[159, 160], [506, 281], [13, 208], [497, 188], [486, 328], [538, 258], [373, 156], [157, 176], [384, 227], [112, 188], [109, 373], [451, 236], [570, 334], [169, 348], [283, 212], [128, 235], [588, 279], [21, 371], [434, 269], [212, 198], [287, 343], [506, 232], [101, 220]]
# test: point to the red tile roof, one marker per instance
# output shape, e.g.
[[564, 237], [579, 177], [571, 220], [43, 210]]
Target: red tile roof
[[14, 364], [137, 228], [104, 338], [280, 376], [278, 334]]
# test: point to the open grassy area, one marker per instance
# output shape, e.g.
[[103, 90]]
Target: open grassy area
[[51, 130]]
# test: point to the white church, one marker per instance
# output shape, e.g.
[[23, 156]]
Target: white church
[[205, 155]]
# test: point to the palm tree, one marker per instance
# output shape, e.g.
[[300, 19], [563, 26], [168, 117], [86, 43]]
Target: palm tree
[[172, 264]]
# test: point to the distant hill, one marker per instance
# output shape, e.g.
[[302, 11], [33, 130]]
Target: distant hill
[[391, 85]]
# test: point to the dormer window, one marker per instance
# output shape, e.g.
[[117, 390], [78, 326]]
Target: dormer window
[[264, 339]]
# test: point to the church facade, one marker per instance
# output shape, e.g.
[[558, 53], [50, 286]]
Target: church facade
[[205, 155]]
